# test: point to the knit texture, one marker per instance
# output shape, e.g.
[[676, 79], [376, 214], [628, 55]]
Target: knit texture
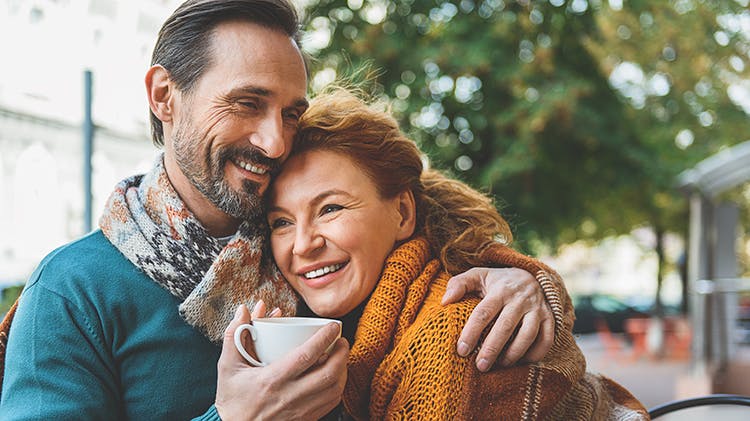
[[4, 330], [403, 363], [146, 220]]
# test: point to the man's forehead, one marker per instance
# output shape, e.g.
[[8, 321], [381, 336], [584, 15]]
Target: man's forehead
[[253, 59]]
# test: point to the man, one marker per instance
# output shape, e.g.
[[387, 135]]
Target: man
[[97, 335]]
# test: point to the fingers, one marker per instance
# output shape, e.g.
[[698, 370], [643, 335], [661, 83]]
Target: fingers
[[480, 318], [323, 385], [544, 341], [498, 337], [229, 354], [308, 354], [523, 340], [259, 311], [459, 285], [275, 313]]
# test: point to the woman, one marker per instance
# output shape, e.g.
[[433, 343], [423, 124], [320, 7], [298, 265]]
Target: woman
[[362, 232]]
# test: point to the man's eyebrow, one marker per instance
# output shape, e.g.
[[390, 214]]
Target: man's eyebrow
[[256, 90], [315, 200], [301, 103], [250, 90]]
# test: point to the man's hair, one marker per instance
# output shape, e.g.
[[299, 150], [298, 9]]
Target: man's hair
[[457, 221], [183, 46]]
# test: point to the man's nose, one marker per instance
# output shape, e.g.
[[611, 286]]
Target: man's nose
[[306, 241], [269, 136]]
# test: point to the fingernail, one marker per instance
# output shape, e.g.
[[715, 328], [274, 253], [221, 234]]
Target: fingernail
[[274, 312], [463, 349], [238, 312], [257, 305], [483, 364], [448, 293]]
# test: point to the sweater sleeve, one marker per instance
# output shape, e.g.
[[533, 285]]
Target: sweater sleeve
[[57, 366], [499, 255], [211, 415]]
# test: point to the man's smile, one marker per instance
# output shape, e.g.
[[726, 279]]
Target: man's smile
[[250, 167]]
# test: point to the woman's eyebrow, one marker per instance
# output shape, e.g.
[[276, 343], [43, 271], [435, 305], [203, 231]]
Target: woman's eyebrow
[[315, 200]]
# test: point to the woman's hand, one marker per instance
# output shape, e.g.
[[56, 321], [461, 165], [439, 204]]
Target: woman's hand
[[259, 311], [307, 383], [525, 326]]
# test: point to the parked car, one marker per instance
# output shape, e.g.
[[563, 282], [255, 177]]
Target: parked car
[[601, 307]]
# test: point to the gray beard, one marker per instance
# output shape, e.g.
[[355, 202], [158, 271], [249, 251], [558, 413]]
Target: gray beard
[[208, 178]]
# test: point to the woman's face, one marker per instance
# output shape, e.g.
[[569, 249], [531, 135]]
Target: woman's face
[[331, 231]]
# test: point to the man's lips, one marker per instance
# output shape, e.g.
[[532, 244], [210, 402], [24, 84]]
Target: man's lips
[[255, 169]]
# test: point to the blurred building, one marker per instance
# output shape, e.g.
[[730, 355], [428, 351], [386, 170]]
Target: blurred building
[[47, 45], [720, 310]]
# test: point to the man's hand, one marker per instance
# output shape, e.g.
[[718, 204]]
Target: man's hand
[[525, 326], [305, 384]]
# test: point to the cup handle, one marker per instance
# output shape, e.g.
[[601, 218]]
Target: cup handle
[[240, 347]]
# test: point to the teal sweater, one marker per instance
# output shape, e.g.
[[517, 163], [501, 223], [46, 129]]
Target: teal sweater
[[94, 338]]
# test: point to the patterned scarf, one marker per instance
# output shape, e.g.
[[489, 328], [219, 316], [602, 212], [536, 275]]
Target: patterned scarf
[[148, 222]]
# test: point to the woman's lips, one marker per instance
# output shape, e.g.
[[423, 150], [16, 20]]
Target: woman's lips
[[322, 276]]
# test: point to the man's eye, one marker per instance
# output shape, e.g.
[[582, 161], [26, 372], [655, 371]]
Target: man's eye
[[249, 104], [292, 115], [331, 208]]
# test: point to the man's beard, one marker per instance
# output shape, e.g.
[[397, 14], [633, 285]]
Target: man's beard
[[206, 173]]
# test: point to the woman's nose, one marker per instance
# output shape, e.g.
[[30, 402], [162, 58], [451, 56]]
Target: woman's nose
[[306, 241]]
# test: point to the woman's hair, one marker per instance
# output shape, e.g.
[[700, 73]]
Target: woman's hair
[[457, 221]]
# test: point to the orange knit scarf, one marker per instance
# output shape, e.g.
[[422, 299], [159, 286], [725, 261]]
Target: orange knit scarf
[[403, 363]]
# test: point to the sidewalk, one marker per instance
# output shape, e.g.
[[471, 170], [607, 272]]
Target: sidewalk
[[652, 381]]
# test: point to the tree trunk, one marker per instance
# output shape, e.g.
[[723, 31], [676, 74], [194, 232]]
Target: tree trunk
[[659, 248]]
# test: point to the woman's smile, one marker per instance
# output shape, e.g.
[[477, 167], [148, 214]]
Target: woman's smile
[[319, 278]]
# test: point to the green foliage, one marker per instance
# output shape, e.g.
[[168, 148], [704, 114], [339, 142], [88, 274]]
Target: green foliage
[[690, 53], [515, 97], [8, 296]]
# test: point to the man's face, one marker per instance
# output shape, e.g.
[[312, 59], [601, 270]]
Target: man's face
[[236, 126]]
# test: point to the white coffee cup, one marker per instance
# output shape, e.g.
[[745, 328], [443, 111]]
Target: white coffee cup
[[274, 337]]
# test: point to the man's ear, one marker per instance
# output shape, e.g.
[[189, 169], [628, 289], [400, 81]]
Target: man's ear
[[160, 92], [407, 209]]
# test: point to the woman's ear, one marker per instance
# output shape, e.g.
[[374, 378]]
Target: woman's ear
[[407, 209], [160, 93]]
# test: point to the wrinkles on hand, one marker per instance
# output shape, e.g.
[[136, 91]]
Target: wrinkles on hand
[[523, 328]]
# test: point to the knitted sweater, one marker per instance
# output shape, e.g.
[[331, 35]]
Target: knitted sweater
[[403, 363], [94, 338]]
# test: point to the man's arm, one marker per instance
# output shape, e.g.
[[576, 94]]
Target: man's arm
[[56, 366], [528, 303]]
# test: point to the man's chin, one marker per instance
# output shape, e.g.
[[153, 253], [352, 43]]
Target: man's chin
[[244, 211]]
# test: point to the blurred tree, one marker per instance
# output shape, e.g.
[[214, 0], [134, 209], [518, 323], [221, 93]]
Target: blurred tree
[[535, 100], [504, 93], [681, 65]]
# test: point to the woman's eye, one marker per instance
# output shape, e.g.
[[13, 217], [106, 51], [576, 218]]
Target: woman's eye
[[279, 223], [331, 208]]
